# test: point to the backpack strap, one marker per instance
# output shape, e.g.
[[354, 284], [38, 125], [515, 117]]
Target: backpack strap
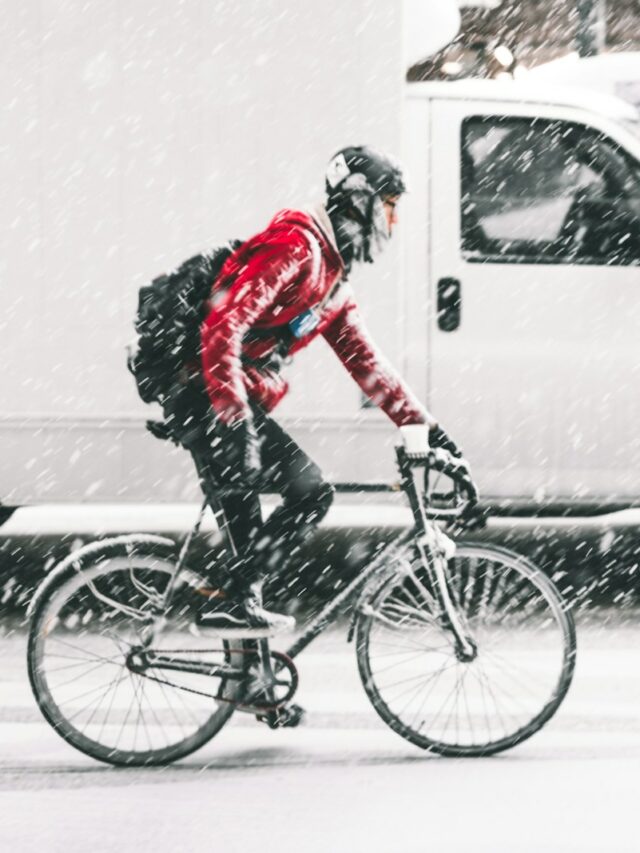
[[283, 334]]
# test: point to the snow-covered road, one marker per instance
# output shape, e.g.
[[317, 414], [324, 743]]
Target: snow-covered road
[[342, 783]]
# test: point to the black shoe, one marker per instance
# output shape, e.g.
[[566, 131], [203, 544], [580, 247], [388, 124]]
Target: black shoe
[[289, 717], [242, 617], [292, 716]]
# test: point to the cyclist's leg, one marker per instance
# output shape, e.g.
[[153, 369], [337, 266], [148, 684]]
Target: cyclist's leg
[[188, 412], [306, 497], [288, 471], [242, 513], [234, 599]]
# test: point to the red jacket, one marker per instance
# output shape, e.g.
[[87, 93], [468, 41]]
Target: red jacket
[[273, 278]]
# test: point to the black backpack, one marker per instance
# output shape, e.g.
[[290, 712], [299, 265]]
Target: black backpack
[[170, 311]]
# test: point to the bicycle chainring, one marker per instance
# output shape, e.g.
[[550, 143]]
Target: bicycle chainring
[[271, 697]]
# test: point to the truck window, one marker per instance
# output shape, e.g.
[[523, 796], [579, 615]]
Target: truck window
[[542, 191]]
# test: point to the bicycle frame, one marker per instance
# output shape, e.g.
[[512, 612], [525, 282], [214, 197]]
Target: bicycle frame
[[430, 542], [350, 593]]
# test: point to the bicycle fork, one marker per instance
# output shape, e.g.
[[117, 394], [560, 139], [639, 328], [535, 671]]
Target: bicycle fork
[[434, 561], [435, 549]]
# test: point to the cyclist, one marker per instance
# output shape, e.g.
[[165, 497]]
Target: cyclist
[[278, 291]]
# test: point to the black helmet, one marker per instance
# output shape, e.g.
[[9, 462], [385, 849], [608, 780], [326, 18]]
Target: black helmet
[[383, 173], [358, 179]]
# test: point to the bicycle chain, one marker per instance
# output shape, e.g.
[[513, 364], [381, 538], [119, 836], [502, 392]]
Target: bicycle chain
[[239, 705]]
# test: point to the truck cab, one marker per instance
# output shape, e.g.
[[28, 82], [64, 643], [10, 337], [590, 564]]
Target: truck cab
[[522, 265]]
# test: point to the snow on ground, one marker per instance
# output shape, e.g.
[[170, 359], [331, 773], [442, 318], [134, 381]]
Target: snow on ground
[[344, 783]]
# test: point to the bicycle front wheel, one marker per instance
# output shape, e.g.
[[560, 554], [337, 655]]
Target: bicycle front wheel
[[427, 692], [85, 637]]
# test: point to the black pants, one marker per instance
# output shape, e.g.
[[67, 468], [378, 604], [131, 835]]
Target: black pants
[[263, 546]]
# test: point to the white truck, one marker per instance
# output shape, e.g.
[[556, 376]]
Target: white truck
[[523, 275], [510, 300]]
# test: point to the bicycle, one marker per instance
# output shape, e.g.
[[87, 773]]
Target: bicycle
[[463, 650]]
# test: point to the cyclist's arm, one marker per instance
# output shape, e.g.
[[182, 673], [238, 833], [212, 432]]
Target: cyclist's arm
[[265, 276], [350, 340], [265, 386]]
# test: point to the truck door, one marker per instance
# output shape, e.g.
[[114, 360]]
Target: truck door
[[535, 328]]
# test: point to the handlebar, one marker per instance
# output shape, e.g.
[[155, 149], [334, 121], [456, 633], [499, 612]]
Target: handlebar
[[449, 505]]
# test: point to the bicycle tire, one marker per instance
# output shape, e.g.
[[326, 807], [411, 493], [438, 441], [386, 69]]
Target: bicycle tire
[[68, 587], [553, 617]]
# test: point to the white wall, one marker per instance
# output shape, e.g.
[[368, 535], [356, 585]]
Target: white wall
[[134, 134]]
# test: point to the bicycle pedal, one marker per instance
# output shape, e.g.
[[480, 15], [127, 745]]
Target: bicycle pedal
[[288, 717], [293, 716], [271, 719]]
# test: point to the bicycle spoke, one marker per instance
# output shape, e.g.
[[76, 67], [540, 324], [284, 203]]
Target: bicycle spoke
[[108, 712], [414, 615], [79, 648], [135, 679], [406, 644], [83, 674], [426, 596], [158, 721], [171, 707], [115, 680], [428, 679], [432, 684], [444, 703], [126, 720], [83, 662], [107, 690], [414, 656], [493, 689], [511, 671], [417, 647]]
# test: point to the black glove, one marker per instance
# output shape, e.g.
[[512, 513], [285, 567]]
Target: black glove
[[439, 438], [240, 444]]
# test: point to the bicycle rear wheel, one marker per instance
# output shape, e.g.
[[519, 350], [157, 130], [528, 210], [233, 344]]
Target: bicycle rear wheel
[[425, 692], [82, 642]]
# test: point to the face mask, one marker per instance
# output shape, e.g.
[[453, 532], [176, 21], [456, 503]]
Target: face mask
[[379, 229], [359, 220]]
